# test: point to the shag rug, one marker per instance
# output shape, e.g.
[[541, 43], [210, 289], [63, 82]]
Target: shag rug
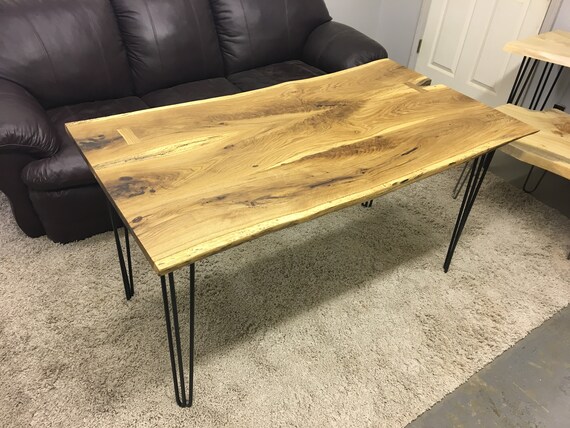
[[347, 320]]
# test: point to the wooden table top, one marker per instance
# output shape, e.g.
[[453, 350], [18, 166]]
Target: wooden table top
[[549, 148], [551, 47], [193, 179]]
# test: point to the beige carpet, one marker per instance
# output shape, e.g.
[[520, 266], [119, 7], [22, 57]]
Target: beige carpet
[[348, 320]]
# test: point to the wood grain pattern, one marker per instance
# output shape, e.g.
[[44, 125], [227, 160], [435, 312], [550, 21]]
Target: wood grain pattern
[[551, 47], [550, 147], [199, 177]]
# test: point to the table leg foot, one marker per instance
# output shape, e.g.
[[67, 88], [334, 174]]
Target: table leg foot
[[174, 343], [476, 177], [528, 190], [126, 270]]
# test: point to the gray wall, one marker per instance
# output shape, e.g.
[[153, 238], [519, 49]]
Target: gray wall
[[392, 23], [360, 14], [396, 27], [562, 95], [563, 20]]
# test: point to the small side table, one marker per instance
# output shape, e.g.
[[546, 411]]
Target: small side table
[[550, 49], [549, 149], [546, 51]]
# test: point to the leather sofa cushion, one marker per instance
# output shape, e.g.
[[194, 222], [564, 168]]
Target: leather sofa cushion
[[24, 125], [11, 165], [63, 51], [273, 74], [72, 214], [169, 41], [67, 168], [255, 33], [192, 91], [334, 47]]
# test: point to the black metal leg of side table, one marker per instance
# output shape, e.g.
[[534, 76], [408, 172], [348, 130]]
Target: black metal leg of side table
[[476, 177], [516, 84], [176, 360], [127, 276], [528, 190], [523, 79], [541, 86], [552, 87], [368, 204], [518, 87]]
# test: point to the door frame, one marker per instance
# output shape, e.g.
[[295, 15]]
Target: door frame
[[547, 24]]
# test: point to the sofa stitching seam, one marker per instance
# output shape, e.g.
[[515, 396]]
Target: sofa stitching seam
[[288, 28], [154, 34], [248, 31], [57, 81], [197, 21]]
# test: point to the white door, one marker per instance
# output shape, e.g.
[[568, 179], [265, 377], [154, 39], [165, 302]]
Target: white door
[[463, 43]]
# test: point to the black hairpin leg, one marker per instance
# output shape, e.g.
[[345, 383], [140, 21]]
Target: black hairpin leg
[[367, 204], [127, 276], [526, 190], [551, 88], [176, 361], [519, 88], [476, 177], [518, 80], [544, 86], [461, 180]]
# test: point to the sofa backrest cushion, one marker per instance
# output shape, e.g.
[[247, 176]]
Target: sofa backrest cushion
[[63, 51], [169, 41], [254, 33]]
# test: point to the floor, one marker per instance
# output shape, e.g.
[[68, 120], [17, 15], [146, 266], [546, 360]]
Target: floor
[[529, 385], [553, 191]]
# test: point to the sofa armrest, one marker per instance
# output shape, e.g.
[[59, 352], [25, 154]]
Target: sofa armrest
[[333, 47], [24, 125]]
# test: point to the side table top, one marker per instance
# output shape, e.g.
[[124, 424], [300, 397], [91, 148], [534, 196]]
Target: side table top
[[192, 179], [553, 47], [550, 147]]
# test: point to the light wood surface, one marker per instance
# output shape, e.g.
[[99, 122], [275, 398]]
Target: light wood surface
[[550, 147], [193, 179], [551, 47]]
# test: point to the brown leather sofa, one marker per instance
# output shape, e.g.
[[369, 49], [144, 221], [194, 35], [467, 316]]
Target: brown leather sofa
[[68, 60]]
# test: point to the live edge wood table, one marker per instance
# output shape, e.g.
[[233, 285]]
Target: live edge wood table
[[194, 179]]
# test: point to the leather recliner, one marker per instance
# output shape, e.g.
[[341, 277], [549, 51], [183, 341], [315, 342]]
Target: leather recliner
[[69, 60]]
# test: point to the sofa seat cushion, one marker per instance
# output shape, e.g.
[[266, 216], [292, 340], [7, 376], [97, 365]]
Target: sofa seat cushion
[[67, 169], [192, 91], [273, 74]]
